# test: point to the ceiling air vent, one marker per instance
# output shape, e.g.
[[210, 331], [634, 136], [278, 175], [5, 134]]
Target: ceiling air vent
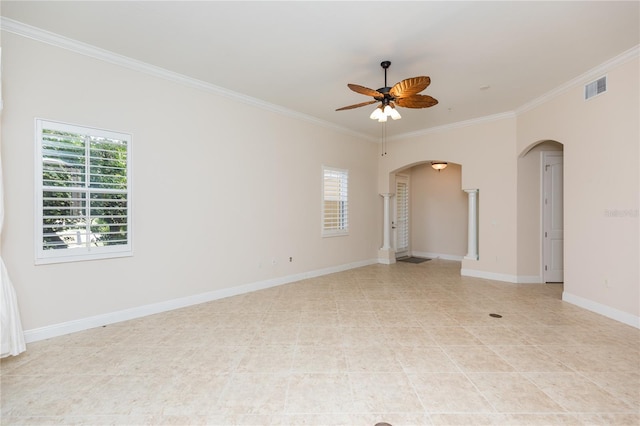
[[595, 87]]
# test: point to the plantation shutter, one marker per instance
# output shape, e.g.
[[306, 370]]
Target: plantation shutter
[[402, 216], [84, 186], [335, 218]]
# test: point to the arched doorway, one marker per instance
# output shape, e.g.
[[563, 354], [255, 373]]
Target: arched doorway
[[430, 219], [541, 213]]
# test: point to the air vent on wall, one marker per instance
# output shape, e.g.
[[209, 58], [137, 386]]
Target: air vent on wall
[[595, 87]]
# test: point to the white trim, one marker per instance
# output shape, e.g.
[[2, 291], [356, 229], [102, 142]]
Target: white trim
[[600, 70], [598, 308], [442, 256], [91, 51], [593, 73], [53, 39], [81, 324], [488, 275], [514, 279], [529, 279], [456, 125]]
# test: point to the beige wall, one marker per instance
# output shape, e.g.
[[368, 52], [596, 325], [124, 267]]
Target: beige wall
[[220, 188], [601, 141], [438, 210], [478, 148]]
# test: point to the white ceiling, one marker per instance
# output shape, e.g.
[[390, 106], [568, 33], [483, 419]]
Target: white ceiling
[[301, 55]]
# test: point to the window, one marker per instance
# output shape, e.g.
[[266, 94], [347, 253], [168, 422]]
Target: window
[[83, 195], [335, 205]]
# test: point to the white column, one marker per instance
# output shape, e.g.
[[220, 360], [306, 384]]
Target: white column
[[386, 236], [472, 238], [386, 254]]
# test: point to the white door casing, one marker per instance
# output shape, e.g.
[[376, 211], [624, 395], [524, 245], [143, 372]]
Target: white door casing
[[552, 217]]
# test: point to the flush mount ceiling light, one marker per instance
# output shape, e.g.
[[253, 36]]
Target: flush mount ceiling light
[[439, 165], [403, 94]]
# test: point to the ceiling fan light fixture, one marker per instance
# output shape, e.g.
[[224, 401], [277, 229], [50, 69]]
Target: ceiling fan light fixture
[[439, 165], [393, 113], [376, 114], [381, 114]]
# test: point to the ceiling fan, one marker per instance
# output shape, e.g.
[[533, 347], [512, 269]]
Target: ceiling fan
[[403, 94]]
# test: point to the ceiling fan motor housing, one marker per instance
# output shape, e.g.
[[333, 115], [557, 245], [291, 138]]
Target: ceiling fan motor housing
[[386, 98]]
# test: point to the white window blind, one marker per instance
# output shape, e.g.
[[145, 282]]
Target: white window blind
[[335, 201], [83, 193]]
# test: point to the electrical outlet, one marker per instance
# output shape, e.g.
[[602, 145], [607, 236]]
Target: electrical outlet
[[290, 259], [273, 261]]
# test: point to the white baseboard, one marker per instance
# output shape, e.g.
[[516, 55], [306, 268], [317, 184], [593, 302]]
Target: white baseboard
[[515, 279], [489, 275], [81, 324], [436, 255], [598, 308], [529, 279]]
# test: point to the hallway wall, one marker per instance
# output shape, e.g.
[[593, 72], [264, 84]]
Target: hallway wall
[[478, 147], [601, 188], [438, 211]]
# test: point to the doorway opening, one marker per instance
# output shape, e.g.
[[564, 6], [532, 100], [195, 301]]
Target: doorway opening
[[541, 213], [429, 212], [400, 224]]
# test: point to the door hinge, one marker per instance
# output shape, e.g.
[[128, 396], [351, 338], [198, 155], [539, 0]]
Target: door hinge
[[545, 267], [545, 234]]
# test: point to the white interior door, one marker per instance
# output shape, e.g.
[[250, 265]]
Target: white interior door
[[401, 216], [552, 217]]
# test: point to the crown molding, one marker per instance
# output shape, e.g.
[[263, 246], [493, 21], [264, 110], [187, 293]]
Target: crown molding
[[53, 39], [89, 50], [456, 125], [592, 74]]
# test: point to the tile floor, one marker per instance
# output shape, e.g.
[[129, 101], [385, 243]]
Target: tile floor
[[405, 344]]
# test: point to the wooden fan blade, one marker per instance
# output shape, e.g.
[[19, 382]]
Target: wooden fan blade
[[357, 105], [417, 101], [365, 90], [410, 86]]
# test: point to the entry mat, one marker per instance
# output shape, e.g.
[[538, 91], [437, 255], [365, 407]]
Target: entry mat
[[411, 259]]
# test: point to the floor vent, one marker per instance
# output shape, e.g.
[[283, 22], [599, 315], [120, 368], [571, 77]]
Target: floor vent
[[595, 88]]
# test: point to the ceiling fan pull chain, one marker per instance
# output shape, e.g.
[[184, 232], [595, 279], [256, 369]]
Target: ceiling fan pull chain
[[383, 148]]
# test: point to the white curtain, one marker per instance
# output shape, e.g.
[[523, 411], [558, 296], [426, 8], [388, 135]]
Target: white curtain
[[11, 331]]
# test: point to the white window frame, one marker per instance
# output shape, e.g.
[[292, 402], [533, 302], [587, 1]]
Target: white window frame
[[340, 193], [88, 251]]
